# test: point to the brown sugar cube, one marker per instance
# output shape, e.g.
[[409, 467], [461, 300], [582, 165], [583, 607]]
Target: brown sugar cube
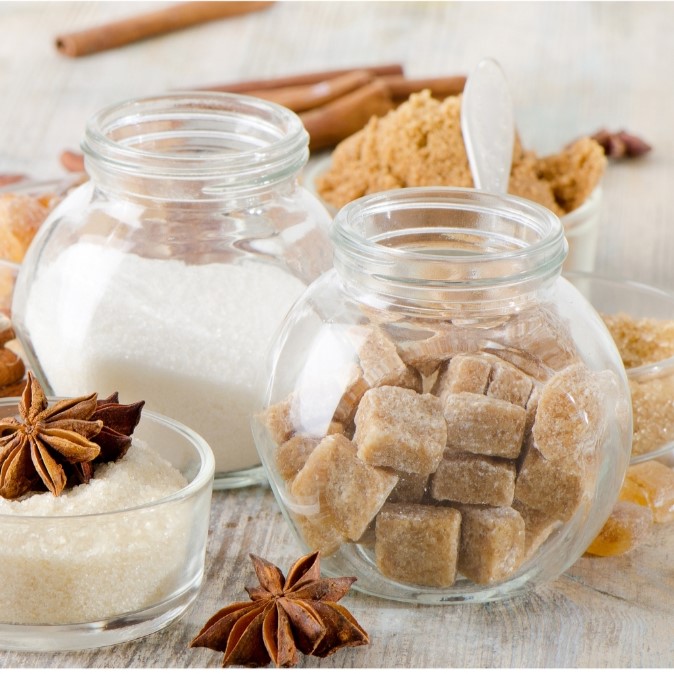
[[411, 488], [400, 429], [465, 373], [278, 420], [379, 359], [319, 533], [537, 527], [348, 493], [492, 543], [555, 488], [293, 454], [471, 478], [437, 343], [482, 425], [418, 544], [569, 416], [542, 334], [348, 403], [509, 383]]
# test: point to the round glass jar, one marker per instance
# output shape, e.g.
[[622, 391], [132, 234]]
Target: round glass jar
[[446, 418], [165, 276]]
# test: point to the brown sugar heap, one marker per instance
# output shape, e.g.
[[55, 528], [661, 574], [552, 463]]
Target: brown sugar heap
[[420, 144]]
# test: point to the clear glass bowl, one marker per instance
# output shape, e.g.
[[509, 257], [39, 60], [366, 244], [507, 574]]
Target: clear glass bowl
[[122, 574], [651, 385], [445, 417]]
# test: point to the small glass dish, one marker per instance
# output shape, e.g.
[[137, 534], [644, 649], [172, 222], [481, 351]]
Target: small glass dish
[[581, 227], [651, 385], [72, 582]]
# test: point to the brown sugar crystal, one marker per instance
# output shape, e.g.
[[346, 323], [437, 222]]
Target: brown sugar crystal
[[293, 454], [555, 488], [475, 479], [418, 544], [569, 416], [641, 341], [506, 382], [464, 373], [492, 543], [400, 429], [655, 480], [645, 341], [482, 425], [626, 528], [420, 144], [345, 492]]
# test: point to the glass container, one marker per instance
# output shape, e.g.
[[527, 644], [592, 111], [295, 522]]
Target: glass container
[[445, 417], [83, 578], [166, 274]]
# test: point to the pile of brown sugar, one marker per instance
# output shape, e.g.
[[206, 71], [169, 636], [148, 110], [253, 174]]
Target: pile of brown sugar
[[419, 144]]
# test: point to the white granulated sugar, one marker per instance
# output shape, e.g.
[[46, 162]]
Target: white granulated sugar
[[190, 340], [58, 568]]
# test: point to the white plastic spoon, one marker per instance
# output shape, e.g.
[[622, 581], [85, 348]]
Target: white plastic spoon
[[488, 126]]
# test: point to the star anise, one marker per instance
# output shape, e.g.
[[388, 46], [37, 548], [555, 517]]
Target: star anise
[[620, 144], [114, 438], [284, 615], [33, 448], [58, 446]]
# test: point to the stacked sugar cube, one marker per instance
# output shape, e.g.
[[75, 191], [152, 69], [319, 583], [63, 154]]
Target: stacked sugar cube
[[444, 454]]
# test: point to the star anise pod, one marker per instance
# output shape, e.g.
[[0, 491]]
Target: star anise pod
[[114, 438], [33, 448], [620, 144], [285, 615]]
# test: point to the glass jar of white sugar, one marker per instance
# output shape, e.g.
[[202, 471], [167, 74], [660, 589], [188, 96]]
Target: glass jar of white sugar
[[166, 275]]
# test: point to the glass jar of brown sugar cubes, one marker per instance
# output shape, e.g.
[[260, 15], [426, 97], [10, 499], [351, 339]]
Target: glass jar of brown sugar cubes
[[445, 417]]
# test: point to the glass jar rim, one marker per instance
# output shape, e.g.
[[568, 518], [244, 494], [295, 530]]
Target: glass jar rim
[[276, 146], [345, 233]]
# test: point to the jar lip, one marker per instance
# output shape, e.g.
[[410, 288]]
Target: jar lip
[[345, 233], [281, 143]]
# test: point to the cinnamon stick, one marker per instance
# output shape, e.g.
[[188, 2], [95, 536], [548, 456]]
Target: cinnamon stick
[[441, 87], [306, 96], [72, 161], [335, 121], [300, 79], [175, 17], [10, 178]]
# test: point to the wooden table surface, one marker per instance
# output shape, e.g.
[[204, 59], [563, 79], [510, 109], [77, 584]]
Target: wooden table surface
[[573, 68]]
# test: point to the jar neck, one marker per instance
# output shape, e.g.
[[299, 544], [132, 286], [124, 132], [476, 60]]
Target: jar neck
[[433, 249], [196, 147]]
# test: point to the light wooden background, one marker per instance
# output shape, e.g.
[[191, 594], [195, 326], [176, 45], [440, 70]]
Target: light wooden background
[[573, 67]]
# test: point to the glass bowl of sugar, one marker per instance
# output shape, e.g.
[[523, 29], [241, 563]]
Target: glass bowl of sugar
[[112, 560], [640, 318]]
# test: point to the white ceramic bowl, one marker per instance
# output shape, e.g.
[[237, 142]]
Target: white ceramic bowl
[[581, 226]]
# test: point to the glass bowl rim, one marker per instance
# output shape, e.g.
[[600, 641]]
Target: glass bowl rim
[[196, 484], [651, 369]]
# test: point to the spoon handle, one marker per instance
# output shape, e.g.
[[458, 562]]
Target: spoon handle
[[488, 126]]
